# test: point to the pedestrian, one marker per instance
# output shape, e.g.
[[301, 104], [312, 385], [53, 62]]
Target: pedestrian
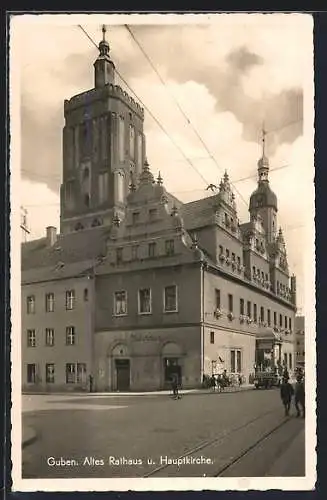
[[213, 383], [286, 393], [90, 383], [174, 385], [299, 399]]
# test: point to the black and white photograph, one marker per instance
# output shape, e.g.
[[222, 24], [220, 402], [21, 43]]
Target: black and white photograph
[[162, 251]]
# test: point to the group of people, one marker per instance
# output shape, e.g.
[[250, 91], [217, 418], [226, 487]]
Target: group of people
[[287, 391]]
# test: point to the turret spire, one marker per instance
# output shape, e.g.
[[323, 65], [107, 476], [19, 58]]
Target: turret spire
[[104, 67], [263, 163]]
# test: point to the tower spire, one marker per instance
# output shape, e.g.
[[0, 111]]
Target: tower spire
[[104, 30], [104, 66], [263, 163], [263, 140]]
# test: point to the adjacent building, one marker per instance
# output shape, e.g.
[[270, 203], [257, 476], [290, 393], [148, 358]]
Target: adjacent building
[[300, 342], [137, 285]]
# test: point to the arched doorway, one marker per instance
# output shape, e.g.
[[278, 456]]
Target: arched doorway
[[172, 363], [121, 369]]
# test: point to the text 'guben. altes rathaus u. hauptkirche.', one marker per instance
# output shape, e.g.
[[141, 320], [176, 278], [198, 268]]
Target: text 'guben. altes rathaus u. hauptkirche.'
[[137, 285]]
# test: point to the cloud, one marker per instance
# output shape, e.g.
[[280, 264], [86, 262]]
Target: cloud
[[234, 73]]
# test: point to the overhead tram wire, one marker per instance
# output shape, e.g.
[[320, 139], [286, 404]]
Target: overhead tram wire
[[151, 114], [185, 115]]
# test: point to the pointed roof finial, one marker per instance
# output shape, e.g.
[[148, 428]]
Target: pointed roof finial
[[104, 30], [159, 180], [263, 139]]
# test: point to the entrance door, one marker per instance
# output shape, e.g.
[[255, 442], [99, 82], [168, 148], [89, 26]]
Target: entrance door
[[123, 374]]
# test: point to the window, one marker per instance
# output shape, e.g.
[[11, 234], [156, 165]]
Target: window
[[49, 336], [69, 195], [132, 141], [135, 252], [233, 257], [70, 373], [286, 322], [212, 337], [31, 338], [30, 303], [170, 247], [87, 200], [266, 277], [70, 335], [170, 298], [103, 181], [226, 220], [280, 320], [86, 295], [290, 324], [221, 250], [81, 373], [70, 299], [75, 373], [239, 261], [120, 179], [285, 358], [235, 361], [152, 214], [50, 373], [290, 361], [230, 302], [136, 217], [275, 318], [120, 303], [31, 373], [119, 255], [268, 317], [262, 314], [257, 243], [255, 316], [227, 253], [253, 271], [121, 139], [249, 309], [152, 249], [242, 307], [144, 301], [49, 302], [217, 296]]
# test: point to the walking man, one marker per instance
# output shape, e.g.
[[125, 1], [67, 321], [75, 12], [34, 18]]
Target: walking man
[[299, 399], [286, 393]]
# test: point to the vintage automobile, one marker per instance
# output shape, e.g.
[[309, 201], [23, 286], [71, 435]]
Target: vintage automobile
[[266, 379]]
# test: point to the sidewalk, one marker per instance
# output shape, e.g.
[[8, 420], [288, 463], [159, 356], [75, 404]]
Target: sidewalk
[[148, 393]]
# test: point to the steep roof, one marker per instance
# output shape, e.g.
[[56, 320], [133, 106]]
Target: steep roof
[[198, 213], [70, 248]]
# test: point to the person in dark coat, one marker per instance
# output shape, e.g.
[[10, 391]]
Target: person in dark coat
[[90, 383], [174, 385], [286, 393], [299, 399]]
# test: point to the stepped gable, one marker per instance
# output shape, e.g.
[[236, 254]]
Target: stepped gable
[[70, 248]]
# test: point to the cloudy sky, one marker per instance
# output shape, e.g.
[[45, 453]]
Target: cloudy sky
[[226, 73]]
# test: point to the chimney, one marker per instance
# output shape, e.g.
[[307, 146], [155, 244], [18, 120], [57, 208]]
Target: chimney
[[51, 236]]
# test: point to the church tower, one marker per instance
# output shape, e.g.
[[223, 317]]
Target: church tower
[[103, 149], [263, 200]]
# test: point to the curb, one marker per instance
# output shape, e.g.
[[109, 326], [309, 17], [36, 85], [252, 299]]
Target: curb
[[29, 437]]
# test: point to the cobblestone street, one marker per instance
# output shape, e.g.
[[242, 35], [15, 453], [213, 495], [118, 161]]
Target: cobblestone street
[[243, 433]]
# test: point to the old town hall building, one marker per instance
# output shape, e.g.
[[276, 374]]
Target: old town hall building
[[138, 285]]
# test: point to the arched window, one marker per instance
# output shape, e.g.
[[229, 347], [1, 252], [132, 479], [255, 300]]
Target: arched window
[[86, 174]]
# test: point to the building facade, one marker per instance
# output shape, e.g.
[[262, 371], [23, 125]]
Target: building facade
[[300, 341], [137, 285]]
